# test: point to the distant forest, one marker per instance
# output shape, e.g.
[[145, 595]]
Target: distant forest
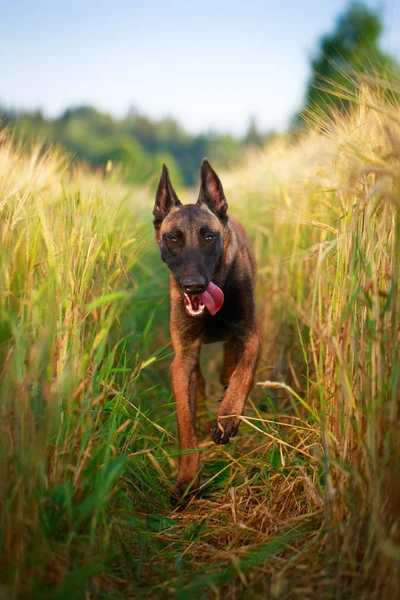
[[135, 143]]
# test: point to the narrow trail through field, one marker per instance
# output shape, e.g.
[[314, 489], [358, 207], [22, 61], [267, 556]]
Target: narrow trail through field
[[259, 508]]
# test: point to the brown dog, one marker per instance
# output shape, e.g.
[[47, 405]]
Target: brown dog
[[212, 281]]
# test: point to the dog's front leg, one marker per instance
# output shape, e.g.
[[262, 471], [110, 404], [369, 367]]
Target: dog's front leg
[[183, 372], [239, 387]]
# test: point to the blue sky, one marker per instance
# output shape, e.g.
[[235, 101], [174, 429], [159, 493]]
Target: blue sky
[[209, 64]]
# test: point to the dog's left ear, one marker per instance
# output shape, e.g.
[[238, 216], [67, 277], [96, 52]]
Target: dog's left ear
[[212, 192]]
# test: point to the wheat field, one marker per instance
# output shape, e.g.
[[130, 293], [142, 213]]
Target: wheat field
[[305, 502]]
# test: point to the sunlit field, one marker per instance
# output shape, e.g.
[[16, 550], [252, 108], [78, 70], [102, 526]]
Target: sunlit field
[[305, 501]]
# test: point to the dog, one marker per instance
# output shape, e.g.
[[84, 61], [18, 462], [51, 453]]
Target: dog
[[212, 278]]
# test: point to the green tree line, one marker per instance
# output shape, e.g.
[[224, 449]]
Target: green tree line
[[135, 143]]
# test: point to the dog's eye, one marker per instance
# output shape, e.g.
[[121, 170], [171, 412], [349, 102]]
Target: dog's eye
[[209, 238], [173, 239]]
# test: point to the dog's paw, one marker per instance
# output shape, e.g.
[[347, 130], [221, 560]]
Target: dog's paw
[[223, 429], [178, 501], [183, 491]]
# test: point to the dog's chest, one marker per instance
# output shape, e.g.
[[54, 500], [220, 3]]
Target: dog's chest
[[223, 325]]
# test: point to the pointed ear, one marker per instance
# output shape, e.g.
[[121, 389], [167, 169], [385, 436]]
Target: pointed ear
[[211, 191], [166, 198]]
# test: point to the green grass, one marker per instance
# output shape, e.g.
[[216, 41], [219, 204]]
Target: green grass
[[304, 502]]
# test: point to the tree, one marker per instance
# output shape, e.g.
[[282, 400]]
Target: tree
[[253, 137], [351, 48]]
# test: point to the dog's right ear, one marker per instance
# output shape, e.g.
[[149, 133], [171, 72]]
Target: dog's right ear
[[166, 198]]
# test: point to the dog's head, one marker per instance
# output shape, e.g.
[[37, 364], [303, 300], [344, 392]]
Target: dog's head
[[191, 238]]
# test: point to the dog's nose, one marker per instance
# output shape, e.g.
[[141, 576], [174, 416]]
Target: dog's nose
[[194, 284]]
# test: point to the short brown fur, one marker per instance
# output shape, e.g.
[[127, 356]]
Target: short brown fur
[[229, 264]]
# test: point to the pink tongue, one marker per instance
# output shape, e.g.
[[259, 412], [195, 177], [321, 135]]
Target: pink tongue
[[212, 298]]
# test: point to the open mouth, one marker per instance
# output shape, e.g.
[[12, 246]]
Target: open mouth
[[193, 304], [212, 299]]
